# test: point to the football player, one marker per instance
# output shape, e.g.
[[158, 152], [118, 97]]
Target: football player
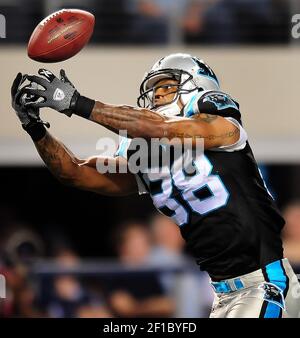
[[223, 209]]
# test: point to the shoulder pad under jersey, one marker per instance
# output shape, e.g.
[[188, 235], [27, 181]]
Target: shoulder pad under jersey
[[213, 103]]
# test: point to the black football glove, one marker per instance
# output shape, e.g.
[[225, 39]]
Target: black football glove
[[29, 117], [58, 93], [25, 115]]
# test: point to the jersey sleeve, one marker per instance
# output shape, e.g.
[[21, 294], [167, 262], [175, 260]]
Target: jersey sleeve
[[221, 104], [122, 151], [213, 103]]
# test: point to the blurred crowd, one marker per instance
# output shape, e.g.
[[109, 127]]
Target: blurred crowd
[[132, 286], [147, 279], [163, 21]]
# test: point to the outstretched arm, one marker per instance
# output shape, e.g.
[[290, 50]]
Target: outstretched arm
[[61, 161], [215, 130], [83, 174]]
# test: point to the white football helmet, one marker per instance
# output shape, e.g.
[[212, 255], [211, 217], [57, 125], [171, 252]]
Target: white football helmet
[[192, 74]]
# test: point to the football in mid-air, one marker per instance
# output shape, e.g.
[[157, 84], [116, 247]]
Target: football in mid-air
[[61, 35]]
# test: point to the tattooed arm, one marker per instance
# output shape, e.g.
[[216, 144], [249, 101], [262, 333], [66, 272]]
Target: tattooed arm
[[83, 174], [215, 130]]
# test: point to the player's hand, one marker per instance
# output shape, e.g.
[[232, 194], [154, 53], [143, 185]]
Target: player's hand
[[26, 115], [58, 93]]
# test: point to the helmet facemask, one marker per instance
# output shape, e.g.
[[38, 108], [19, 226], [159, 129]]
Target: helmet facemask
[[148, 88], [192, 74]]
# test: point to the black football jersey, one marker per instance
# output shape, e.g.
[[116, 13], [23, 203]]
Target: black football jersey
[[224, 211]]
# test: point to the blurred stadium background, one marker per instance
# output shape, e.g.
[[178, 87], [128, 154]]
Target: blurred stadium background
[[67, 253]]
